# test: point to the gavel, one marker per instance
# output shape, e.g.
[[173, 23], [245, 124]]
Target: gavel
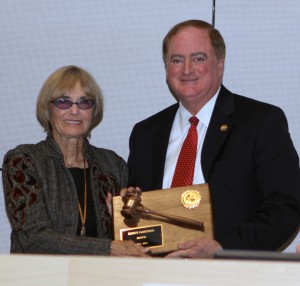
[[133, 206]]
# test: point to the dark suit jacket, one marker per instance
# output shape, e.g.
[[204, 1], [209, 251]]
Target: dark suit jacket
[[252, 169]]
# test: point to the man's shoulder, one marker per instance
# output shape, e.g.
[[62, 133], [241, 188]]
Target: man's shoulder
[[242, 102], [162, 115], [252, 101]]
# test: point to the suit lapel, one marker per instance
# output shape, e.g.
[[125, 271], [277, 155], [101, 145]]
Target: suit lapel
[[219, 128]]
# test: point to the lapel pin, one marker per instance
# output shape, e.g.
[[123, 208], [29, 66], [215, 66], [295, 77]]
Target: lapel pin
[[223, 127]]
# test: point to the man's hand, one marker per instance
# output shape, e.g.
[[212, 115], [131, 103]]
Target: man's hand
[[197, 248]]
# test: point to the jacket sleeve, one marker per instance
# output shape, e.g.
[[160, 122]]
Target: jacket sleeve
[[276, 177], [32, 228]]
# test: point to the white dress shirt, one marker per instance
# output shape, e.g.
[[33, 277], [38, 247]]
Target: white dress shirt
[[179, 131]]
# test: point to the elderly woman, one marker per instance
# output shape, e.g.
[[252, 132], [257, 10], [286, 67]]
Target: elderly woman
[[58, 191]]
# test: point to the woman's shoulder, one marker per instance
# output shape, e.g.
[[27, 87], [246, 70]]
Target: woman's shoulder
[[26, 150], [104, 153], [105, 157]]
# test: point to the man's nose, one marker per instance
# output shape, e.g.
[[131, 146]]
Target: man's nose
[[188, 66]]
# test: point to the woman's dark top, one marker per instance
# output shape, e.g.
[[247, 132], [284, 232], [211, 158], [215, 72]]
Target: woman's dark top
[[90, 223]]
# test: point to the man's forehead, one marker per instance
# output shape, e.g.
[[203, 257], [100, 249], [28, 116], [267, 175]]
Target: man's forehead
[[194, 35], [192, 29]]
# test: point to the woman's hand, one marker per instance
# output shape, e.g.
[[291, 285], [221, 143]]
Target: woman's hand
[[108, 202], [124, 192], [128, 248]]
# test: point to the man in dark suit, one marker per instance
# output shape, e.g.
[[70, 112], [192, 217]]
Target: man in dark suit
[[244, 150]]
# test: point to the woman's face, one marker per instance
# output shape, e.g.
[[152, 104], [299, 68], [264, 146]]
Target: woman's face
[[72, 122]]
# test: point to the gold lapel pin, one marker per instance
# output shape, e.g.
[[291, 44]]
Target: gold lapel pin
[[224, 127]]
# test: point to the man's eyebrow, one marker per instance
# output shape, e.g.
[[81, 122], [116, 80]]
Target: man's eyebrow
[[199, 54], [176, 56], [193, 55]]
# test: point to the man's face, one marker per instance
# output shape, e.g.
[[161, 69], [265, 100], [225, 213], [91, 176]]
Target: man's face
[[192, 70]]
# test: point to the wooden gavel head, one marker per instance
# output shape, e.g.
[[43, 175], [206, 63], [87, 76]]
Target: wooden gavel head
[[132, 201]]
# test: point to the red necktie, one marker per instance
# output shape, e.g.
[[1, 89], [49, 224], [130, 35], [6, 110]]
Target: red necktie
[[184, 171]]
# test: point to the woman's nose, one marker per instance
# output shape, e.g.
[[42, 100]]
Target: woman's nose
[[74, 108]]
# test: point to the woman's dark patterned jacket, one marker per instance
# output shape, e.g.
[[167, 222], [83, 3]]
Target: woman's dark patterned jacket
[[41, 199]]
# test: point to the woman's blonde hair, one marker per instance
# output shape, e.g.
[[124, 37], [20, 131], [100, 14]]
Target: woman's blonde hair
[[61, 83]]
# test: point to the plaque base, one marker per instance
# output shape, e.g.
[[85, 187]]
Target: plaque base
[[162, 234]]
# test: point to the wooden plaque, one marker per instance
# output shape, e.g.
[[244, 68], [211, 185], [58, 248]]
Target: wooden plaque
[[162, 234]]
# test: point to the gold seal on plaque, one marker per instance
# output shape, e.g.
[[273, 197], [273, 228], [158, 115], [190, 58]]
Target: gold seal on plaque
[[190, 199]]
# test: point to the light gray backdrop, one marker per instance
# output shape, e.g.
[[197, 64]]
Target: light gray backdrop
[[119, 42]]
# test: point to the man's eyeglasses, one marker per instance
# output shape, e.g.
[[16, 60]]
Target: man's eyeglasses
[[65, 103]]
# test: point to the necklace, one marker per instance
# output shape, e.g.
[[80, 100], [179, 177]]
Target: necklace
[[83, 214]]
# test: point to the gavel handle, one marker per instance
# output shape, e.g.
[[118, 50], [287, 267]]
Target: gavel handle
[[179, 219]]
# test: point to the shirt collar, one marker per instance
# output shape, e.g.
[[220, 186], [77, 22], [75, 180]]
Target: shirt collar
[[203, 115]]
